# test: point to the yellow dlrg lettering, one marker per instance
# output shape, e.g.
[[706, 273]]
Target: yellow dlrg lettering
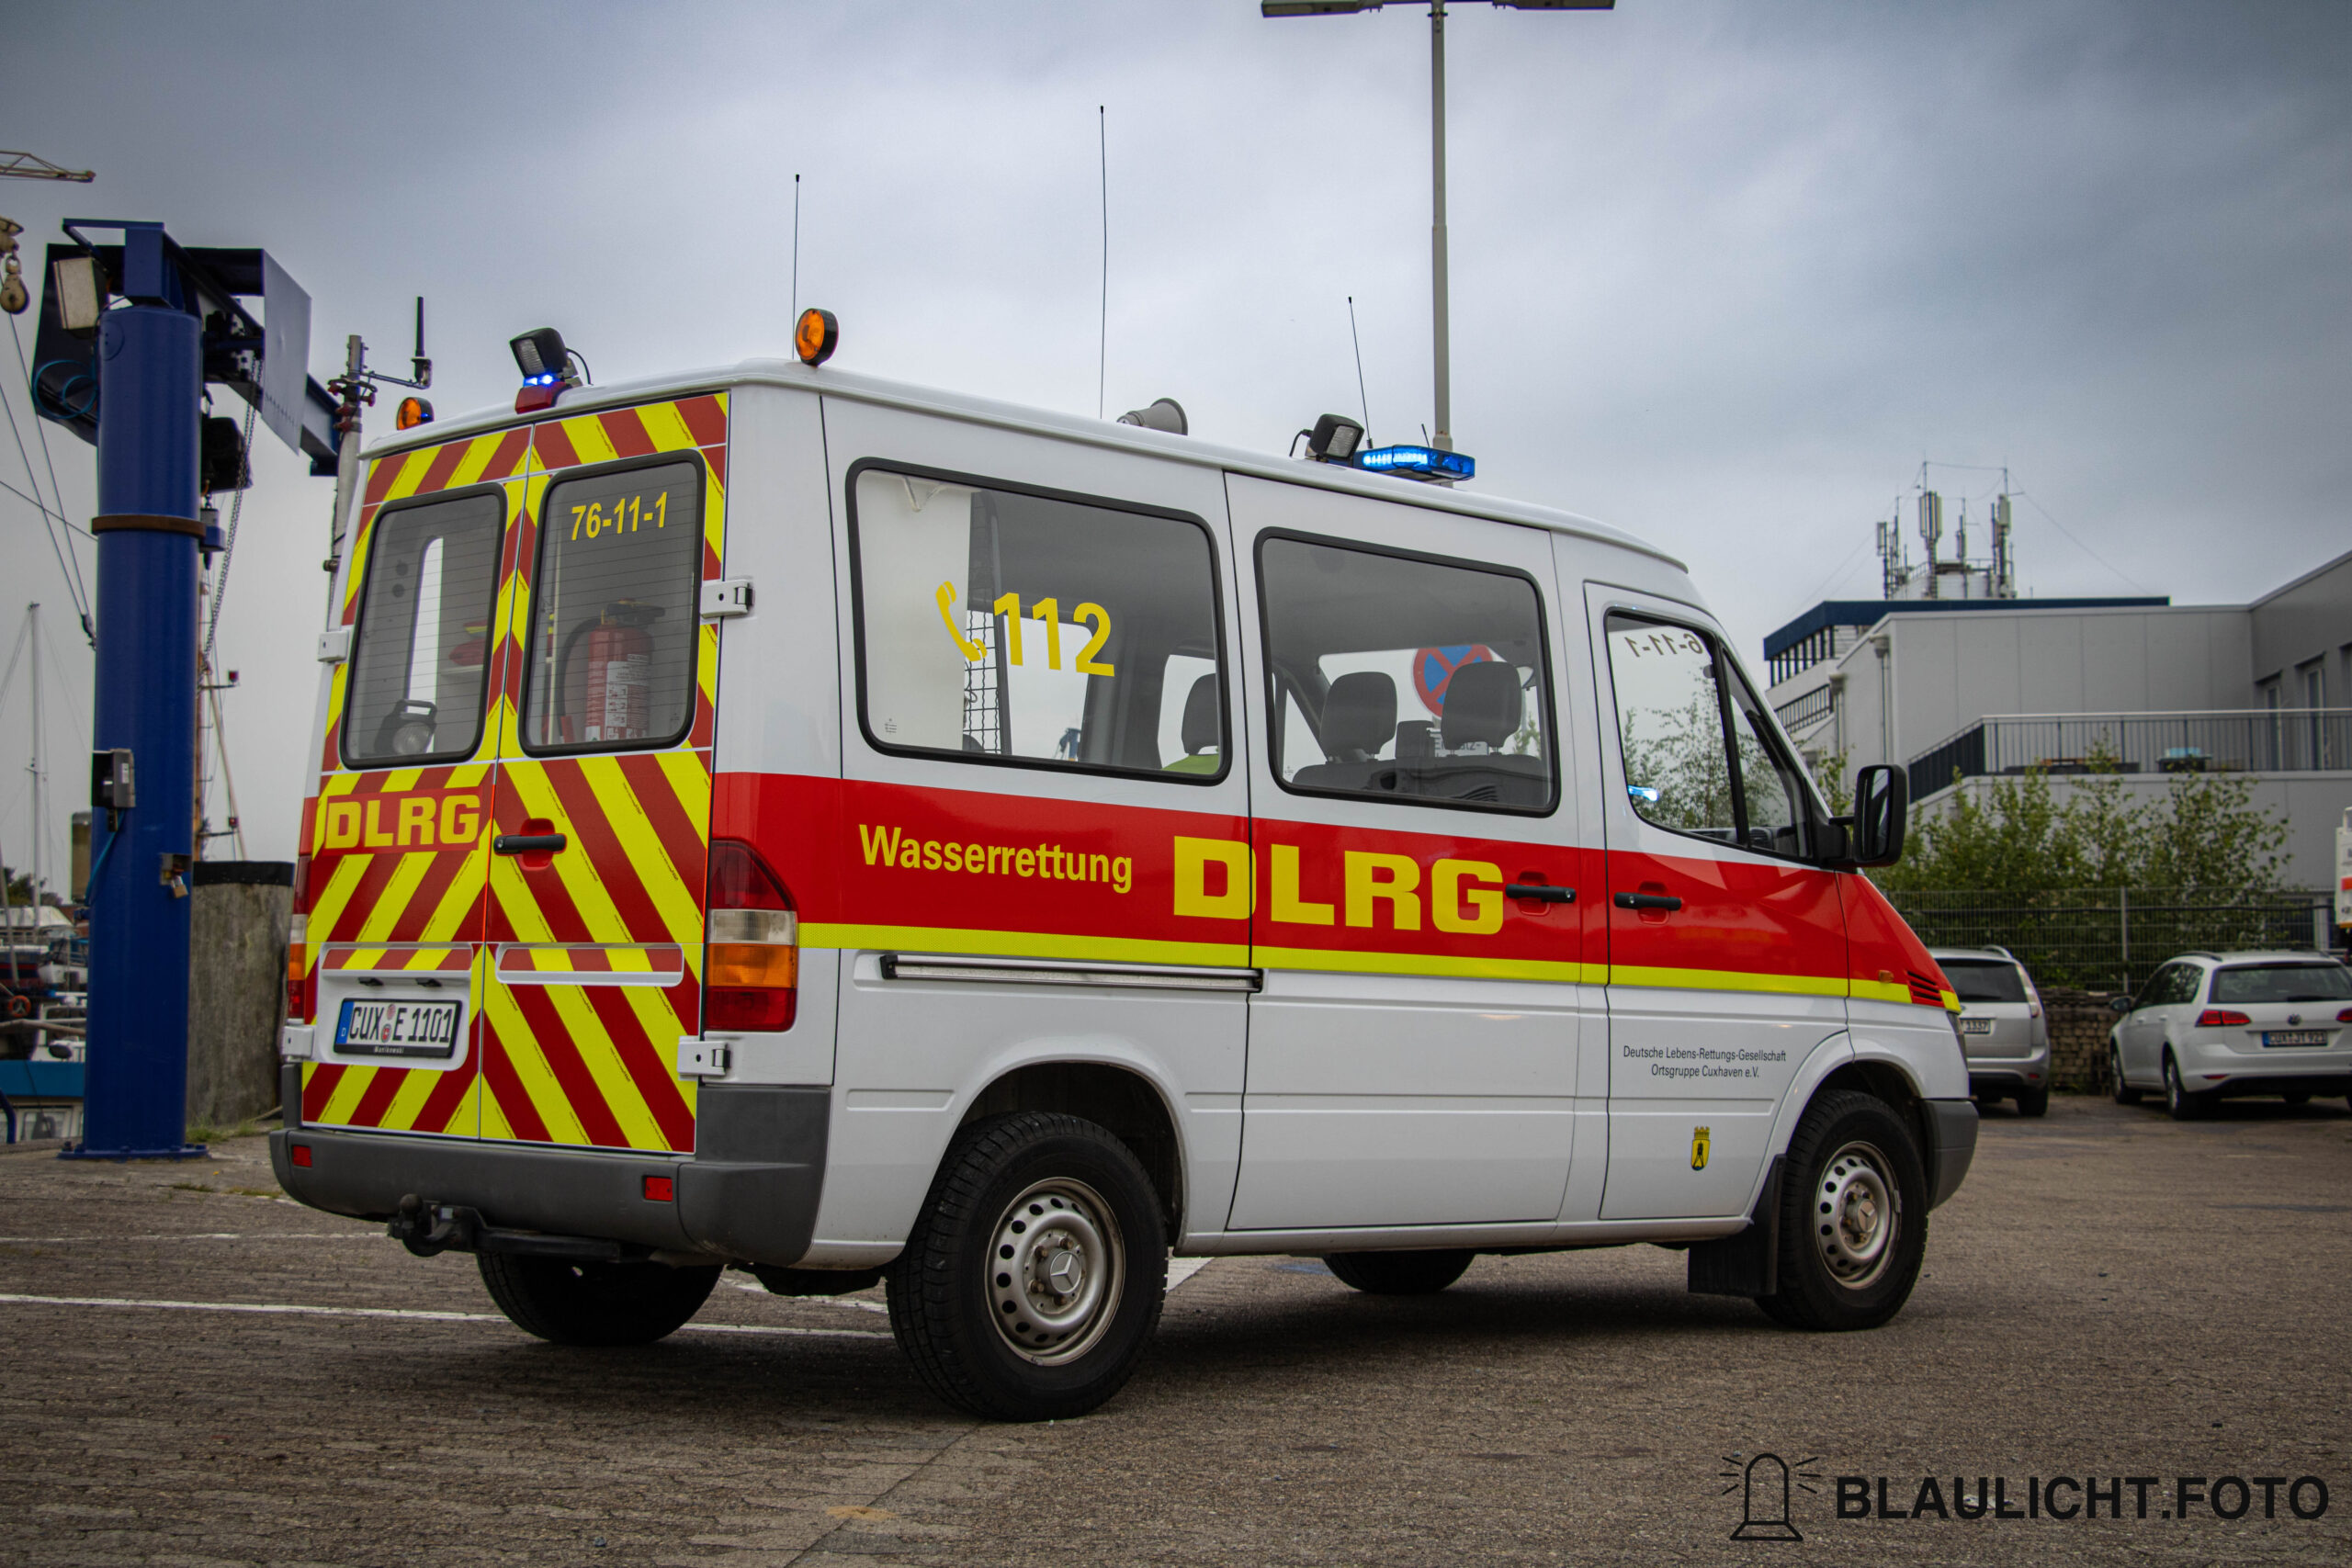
[[377, 835], [460, 818], [1195, 857], [1447, 893], [1287, 904], [416, 820], [339, 825], [1372, 876]]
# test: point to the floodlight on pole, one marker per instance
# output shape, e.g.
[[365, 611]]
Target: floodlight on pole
[[1441, 342]]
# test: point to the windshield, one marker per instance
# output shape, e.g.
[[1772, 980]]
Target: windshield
[[1984, 980], [2283, 983]]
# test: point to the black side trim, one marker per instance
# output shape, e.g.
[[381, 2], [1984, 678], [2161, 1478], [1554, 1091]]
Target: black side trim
[[1951, 1127], [750, 1190], [1748, 1264]]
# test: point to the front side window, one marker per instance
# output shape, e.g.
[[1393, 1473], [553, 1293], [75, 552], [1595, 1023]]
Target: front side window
[[614, 610], [417, 668], [998, 624], [1401, 677], [1699, 755], [2245, 983]]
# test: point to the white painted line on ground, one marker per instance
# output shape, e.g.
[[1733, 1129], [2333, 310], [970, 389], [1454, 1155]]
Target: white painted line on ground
[[201, 1236], [1183, 1269], [282, 1309]]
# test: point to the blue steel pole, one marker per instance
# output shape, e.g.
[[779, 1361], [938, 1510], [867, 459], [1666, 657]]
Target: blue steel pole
[[152, 385]]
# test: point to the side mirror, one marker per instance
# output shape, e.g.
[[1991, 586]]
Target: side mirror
[[1881, 812], [2119, 1004]]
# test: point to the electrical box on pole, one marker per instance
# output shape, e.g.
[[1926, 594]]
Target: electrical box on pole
[[130, 336]]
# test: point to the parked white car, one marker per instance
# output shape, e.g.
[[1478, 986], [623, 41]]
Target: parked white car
[[2208, 1025], [2003, 1028]]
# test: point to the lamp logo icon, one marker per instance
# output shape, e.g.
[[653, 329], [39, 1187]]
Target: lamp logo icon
[[1763, 1484]]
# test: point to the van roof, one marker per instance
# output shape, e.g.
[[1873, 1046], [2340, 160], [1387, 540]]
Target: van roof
[[1036, 422]]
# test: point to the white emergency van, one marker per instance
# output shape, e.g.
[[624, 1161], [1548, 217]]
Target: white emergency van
[[777, 819]]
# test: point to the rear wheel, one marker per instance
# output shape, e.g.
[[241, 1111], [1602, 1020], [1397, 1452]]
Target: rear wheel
[[1853, 1217], [2183, 1105], [2124, 1093], [1398, 1274], [1035, 1276], [2034, 1102], [595, 1303]]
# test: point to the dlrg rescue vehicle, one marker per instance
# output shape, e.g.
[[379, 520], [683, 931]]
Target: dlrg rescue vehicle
[[780, 820]]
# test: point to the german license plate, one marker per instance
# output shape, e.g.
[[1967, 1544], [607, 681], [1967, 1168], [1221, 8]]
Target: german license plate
[[1976, 1026], [397, 1028], [2294, 1037]]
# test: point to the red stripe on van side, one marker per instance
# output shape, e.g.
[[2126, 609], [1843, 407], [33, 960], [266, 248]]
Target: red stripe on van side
[[552, 448], [380, 481], [425, 898], [608, 854], [319, 1088], [651, 786], [444, 463], [716, 456], [624, 428], [377, 1096], [507, 459], [448, 1096], [1739, 917]]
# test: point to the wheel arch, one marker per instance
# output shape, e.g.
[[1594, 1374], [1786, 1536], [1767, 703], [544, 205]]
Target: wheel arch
[[1116, 1097]]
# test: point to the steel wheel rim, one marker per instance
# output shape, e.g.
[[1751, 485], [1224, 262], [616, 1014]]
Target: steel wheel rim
[[1857, 1214], [1058, 1269]]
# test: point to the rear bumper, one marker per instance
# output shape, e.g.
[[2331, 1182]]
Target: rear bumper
[[1951, 1145], [2276, 1080], [749, 1192]]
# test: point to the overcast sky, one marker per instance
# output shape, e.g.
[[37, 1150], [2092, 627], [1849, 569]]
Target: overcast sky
[[1724, 273]]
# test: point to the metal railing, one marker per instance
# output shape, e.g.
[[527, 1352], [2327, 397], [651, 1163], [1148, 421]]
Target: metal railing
[[1802, 713], [2113, 938], [2214, 740]]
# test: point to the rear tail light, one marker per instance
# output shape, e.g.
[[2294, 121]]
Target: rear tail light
[[298, 995], [2345, 1017], [752, 971], [2220, 1018]]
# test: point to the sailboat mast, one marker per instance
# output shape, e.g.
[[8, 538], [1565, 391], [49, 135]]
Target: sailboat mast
[[40, 822]]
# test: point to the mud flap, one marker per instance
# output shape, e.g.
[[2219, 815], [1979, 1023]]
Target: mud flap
[[1748, 1264]]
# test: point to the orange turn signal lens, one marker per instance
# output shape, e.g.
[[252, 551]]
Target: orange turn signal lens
[[413, 412], [753, 964], [816, 335]]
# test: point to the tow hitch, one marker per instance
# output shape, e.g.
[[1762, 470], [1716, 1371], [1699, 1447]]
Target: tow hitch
[[427, 1229]]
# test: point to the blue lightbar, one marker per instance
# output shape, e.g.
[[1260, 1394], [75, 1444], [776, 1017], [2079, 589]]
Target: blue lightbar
[[1420, 461]]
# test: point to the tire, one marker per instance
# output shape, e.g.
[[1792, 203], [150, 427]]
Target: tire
[[965, 1292], [2124, 1093], [595, 1303], [1853, 1217], [2034, 1102], [2183, 1105], [2299, 1097], [1398, 1274]]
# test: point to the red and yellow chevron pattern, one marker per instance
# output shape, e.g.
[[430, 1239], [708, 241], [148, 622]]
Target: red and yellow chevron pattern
[[585, 972]]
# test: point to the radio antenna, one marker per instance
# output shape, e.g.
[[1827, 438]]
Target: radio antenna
[[796, 247], [1358, 344], [1102, 326]]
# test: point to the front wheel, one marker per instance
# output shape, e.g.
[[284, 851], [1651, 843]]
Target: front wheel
[[2124, 1093], [1398, 1274], [1035, 1275], [595, 1303], [1853, 1217]]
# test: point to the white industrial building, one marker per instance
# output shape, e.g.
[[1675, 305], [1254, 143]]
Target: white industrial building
[[1967, 689]]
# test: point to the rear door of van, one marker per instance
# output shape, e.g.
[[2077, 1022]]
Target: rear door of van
[[606, 709], [396, 835], [1415, 1055]]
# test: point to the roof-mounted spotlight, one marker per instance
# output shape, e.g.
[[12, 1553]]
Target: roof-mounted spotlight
[[1418, 463], [1334, 439], [545, 364], [1160, 413], [815, 336]]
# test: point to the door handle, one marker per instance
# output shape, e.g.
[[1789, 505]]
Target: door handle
[[1648, 901], [528, 843], [1547, 893]]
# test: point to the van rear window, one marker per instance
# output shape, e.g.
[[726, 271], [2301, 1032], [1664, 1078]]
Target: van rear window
[[997, 624], [422, 654], [2283, 983], [1421, 679]]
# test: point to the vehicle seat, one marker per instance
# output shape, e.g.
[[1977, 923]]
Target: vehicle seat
[[1203, 731], [1359, 717]]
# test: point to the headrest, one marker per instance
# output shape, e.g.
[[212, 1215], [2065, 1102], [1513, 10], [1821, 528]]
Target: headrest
[[1483, 702], [1202, 730], [1359, 715]]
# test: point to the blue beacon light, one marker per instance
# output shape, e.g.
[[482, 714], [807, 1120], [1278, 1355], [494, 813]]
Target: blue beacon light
[[1417, 462]]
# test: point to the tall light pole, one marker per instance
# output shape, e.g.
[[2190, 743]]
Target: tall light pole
[[1440, 329]]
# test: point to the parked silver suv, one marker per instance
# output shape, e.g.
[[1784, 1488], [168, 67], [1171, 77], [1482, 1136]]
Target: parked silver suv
[[2002, 1026], [2213, 1025]]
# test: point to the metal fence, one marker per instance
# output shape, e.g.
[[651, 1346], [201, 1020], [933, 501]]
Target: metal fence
[[2112, 939], [2229, 740]]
